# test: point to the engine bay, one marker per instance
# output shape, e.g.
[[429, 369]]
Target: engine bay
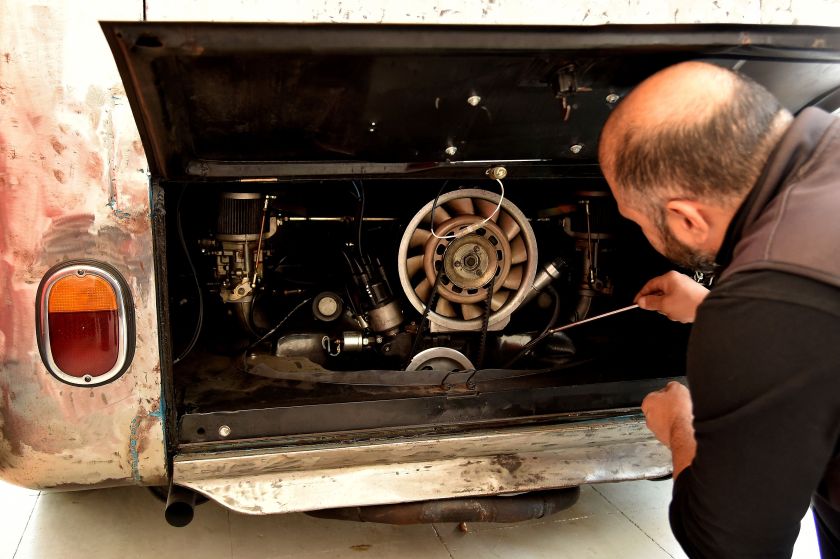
[[326, 292]]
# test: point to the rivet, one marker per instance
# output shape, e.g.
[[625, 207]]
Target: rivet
[[224, 431], [88, 378]]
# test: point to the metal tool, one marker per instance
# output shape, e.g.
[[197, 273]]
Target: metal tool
[[598, 317], [530, 345]]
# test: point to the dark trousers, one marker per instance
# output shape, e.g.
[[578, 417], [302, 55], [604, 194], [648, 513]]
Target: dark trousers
[[827, 521]]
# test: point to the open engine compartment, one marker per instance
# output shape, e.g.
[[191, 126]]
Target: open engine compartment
[[297, 309]]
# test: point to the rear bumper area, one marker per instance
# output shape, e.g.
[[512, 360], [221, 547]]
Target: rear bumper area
[[280, 480]]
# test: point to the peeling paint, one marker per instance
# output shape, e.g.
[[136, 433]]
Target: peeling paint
[[132, 450], [117, 212], [68, 144]]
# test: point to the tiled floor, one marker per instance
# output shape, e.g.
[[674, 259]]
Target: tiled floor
[[623, 520]]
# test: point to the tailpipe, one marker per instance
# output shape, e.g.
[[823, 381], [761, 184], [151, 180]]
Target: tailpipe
[[180, 506]]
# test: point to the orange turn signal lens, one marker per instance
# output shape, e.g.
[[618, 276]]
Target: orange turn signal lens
[[82, 293]]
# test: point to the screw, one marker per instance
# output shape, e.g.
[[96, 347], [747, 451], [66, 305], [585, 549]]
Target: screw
[[473, 100], [576, 148], [224, 431], [457, 263], [451, 150], [613, 98], [88, 378]]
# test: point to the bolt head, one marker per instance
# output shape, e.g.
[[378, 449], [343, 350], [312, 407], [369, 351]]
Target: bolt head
[[224, 431], [473, 100], [451, 150], [613, 98], [576, 148]]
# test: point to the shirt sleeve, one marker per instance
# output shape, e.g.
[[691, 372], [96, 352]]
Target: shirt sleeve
[[765, 384]]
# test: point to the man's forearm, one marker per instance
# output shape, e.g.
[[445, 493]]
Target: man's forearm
[[683, 444]]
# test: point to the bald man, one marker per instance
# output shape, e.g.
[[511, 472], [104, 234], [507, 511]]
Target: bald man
[[721, 178]]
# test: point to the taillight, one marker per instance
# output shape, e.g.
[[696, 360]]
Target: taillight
[[85, 323]]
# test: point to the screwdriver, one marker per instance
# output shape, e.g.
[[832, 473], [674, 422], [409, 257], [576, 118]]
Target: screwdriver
[[598, 317], [530, 345]]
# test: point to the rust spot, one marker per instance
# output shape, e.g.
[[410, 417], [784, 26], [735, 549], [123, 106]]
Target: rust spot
[[59, 175], [8, 57], [56, 145], [93, 166], [509, 462], [5, 92], [361, 547]]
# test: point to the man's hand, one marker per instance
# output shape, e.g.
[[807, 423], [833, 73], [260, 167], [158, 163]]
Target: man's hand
[[675, 295], [669, 417]]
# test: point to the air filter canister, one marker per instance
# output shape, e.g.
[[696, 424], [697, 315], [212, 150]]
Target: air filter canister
[[240, 216]]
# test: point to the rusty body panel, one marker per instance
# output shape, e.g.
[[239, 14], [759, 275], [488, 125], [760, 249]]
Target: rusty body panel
[[73, 184], [485, 463]]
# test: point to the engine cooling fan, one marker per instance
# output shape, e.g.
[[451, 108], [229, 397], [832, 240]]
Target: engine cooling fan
[[468, 258]]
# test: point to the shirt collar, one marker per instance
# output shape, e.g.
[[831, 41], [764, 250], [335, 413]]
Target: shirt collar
[[793, 150]]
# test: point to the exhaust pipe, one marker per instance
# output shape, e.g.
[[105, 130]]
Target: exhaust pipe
[[180, 506], [504, 509]]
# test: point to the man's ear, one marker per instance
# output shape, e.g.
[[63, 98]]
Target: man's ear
[[688, 222]]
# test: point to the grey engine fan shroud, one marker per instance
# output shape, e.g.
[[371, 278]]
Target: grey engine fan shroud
[[504, 246]]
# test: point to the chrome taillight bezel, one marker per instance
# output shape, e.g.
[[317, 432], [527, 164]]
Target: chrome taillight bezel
[[125, 319]]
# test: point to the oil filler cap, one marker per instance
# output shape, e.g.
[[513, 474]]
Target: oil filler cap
[[327, 306]]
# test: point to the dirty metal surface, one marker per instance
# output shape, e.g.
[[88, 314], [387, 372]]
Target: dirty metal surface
[[428, 410], [73, 184], [511, 12], [485, 463]]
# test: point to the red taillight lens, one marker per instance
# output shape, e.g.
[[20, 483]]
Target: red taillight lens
[[83, 324]]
